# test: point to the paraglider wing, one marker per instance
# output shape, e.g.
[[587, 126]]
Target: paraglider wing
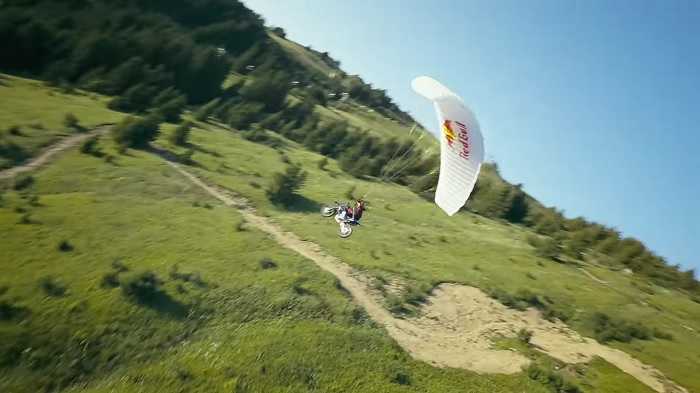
[[461, 144]]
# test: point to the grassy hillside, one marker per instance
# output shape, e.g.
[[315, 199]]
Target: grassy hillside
[[237, 314], [123, 276]]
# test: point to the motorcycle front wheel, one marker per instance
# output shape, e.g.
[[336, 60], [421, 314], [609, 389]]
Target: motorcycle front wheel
[[345, 232]]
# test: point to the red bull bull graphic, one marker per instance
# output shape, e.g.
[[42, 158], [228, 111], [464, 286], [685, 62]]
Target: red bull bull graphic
[[462, 135], [448, 132]]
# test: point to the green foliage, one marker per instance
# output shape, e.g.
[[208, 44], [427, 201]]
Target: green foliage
[[12, 153], [267, 263], [136, 133], [71, 122], [180, 136], [244, 114], [607, 329], [524, 336], [206, 110], [545, 247], [143, 287], [322, 163], [268, 90], [555, 381], [65, 246], [170, 105], [284, 186], [52, 287], [22, 182], [91, 147]]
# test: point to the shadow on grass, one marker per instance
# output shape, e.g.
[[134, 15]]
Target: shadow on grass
[[164, 304], [302, 204]]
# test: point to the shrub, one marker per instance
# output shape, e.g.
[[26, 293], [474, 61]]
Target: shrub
[[267, 263], [524, 336], [119, 266], [143, 287], [23, 181], [90, 147], [136, 133], [26, 218], [284, 186], [181, 134], [71, 122], [13, 152], [546, 248], [52, 287], [110, 280], [203, 113], [322, 163], [65, 246], [240, 226], [172, 109], [608, 329], [664, 335], [15, 130], [552, 379]]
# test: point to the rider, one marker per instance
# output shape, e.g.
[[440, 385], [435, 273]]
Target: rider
[[352, 213]]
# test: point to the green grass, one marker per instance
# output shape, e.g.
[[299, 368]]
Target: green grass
[[416, 241], [39, 111], [246, 329], [249, 329]]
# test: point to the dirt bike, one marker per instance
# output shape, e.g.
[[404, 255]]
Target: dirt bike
[[346, 224]]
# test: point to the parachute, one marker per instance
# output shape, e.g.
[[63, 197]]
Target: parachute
[[461, 144]]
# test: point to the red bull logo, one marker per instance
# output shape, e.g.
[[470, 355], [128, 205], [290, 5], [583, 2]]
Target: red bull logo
[[462, 136], [448, 132]]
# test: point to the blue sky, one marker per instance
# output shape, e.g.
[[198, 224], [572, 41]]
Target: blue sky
[[593, 105]]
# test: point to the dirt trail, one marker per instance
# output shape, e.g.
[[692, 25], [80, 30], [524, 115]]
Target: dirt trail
[[46, 155], [458, 322]]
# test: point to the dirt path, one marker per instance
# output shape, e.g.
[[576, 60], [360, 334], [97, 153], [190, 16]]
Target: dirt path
[[592, 277], [51, 151], [458, 322]]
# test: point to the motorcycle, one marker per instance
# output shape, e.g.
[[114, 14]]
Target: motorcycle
[[338, 210]]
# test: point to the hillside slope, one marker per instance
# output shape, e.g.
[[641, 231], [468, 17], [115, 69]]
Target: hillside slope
[[122, 275]]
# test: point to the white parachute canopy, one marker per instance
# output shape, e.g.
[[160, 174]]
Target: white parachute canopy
[[461, 144]]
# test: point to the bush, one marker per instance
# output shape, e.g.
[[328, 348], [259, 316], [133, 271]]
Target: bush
[[181, 134], [661, 334], [110, 280], [524, 336], [15, 130], [608, 329], [203, 113], [65, 246], [52, 287], [546, 248], [90, 147], [23, 181], [143, 287], [322, 163], [267, 263], [136, 133], [72, 123], [13, 152], [552, 379], [284, 186]]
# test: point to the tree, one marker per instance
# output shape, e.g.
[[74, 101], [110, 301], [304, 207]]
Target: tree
[[206, 110], [172, 109], [181, 134], [270, 90], [285, 185], [136, 133]]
